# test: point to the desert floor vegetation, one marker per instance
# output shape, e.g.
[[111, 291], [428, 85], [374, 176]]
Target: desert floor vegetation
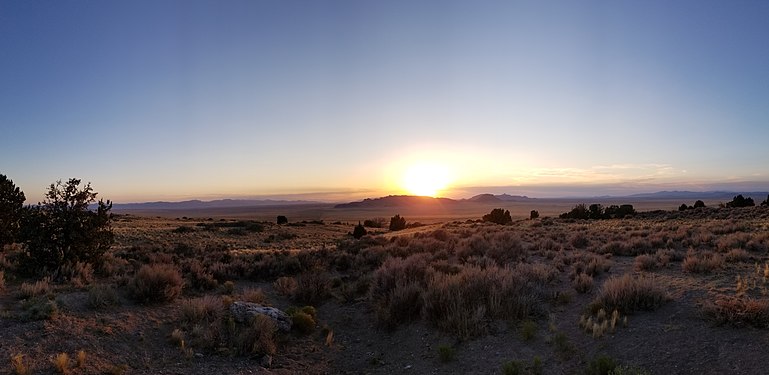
[[544, 295]]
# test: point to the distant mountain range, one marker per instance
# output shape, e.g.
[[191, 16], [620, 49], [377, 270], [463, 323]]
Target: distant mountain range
[[413, 201], [198, 204], [713, 195]]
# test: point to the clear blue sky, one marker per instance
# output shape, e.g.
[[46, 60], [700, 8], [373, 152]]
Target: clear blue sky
[[179, 99]]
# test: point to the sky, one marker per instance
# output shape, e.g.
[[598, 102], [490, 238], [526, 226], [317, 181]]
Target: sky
[[171, 100]]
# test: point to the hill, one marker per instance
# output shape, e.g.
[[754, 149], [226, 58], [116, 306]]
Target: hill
[[400, 201], [198, 204]]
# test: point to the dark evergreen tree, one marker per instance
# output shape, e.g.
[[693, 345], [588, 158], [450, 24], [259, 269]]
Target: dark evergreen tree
[[64, 229], [579, 211], [498, 216], [359, 231], [397, 223], [740, 201], [11, 209]]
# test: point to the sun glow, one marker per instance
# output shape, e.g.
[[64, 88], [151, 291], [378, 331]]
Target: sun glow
[[426, 179]]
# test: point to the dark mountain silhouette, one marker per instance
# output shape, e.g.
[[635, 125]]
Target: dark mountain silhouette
[[198, 204], [485, 198], [712, 195], [399, 201], [491, 198], [513, 198]]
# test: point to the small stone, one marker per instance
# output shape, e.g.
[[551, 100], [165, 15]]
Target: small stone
[[408, 367]]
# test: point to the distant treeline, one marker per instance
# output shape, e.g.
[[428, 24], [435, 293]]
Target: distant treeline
[[597, 211]]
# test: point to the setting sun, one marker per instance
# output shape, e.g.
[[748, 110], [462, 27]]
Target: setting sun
[[426, 179]]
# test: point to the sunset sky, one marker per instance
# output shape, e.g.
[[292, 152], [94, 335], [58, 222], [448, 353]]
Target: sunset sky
[[169, 100]]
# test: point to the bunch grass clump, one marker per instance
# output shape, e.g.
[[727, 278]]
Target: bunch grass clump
[[156, 283], [627, 294]]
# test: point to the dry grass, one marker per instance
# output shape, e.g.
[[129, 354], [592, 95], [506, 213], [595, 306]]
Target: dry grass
[[738, 311], [285, 286], [19, 365], [61, 363], [80, 359], [645, 262], [156, 283], [101, 296], [38, 288], [205, 310], [583, 283], [627, 294], [312, 287], [258, 337], [698, 262], [255, 295]]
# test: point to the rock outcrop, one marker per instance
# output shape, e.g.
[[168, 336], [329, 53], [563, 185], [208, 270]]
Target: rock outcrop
[[243, 312]]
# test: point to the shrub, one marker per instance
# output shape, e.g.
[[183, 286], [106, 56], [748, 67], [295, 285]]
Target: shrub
[[39, 288], [528, 330], [512, 368], [64, 230], [282, 220], [402, 304], [156, 283], [601, 365], [302, 322], [583, 283], [645, 262], [39, 308], [2, 281], [359, 231], [533, 214], [184, 229], [627, 294], [498, 216], [562, 343], [11, 210], [205, 309], [738, 311], [80, 359], [740, 201], [461, 303], [397, 223], [254, 295], [596, 211], [737, 255], [258, 337], [765, 202], [702, 263], [579, 211], [79, 274], [699, 204], [61, 363], [101, 296], [620, 211], [446, 353], [285, 286], [374, 223], [312, 287], [19, 365]]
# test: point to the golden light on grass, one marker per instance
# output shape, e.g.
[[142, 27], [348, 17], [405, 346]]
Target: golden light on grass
[[426, 179]]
